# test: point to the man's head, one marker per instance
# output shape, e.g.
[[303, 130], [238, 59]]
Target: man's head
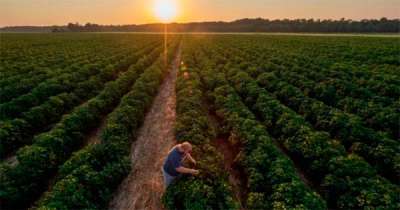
[[186, 147]]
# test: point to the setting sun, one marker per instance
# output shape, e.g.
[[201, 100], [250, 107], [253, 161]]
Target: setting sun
[[165, 10]]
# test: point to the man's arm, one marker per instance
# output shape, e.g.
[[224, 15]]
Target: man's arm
[[184, 170], [190, 158]]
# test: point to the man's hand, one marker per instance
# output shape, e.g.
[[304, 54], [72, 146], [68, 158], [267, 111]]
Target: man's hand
[[195, 172]]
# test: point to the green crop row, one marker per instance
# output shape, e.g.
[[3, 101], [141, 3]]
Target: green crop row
[[18, 132], [267, 187], [382, 152], [25, 53], [347, 180], [322, 81], [371, 68], [208, 190], [379, 150], [377, 114], [62, 83], [30, 60], [20, 184], [13, 87], [88, 179]]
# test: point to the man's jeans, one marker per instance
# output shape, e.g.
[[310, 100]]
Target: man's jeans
[[167, 178]]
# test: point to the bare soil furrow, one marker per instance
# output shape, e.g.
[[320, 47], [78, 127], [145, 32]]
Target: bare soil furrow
[[143, 188]]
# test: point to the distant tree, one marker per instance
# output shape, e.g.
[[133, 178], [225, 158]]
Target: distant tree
[[342, 25], [74, 27]]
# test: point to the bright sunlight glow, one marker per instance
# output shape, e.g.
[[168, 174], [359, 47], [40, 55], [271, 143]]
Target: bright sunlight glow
[[165, 10]]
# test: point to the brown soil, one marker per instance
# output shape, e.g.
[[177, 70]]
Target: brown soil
[[229, 147], [94, 136], [143, 187], [237, 178]]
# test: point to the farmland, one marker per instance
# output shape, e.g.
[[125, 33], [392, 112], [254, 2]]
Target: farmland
[[277, 121]]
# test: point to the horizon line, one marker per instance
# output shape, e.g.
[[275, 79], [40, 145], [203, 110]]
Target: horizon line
[[205, 21]]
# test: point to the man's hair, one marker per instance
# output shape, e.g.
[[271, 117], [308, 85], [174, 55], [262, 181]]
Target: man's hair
[[186, 146]]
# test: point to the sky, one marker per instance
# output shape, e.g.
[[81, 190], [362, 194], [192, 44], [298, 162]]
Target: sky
[[60, 12]]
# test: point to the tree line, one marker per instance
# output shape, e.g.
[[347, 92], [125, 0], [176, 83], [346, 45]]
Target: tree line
[[383, 25]]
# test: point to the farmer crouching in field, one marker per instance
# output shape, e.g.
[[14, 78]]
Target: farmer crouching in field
[[173, 163]]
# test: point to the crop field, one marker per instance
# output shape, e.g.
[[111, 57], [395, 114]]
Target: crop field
[[276, 121]]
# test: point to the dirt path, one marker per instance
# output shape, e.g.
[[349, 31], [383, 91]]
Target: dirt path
[[228, 146], [236, 175], [143, 187]]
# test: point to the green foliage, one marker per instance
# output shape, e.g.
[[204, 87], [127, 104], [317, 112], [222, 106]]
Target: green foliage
[[59, 143], [195, 194], [88, 179], [266, 167], [208, 190], [47, 102], [294, 98], [330, 104]]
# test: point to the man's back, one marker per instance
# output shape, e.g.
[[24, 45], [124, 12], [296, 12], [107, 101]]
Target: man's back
[[173, 162]]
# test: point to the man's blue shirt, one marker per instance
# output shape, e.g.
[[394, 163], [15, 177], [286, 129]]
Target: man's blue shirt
[[173, 161]]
